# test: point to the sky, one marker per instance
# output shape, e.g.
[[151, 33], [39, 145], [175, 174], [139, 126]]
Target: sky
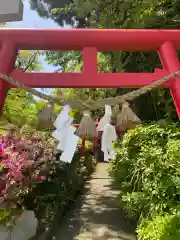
[[31, 19]]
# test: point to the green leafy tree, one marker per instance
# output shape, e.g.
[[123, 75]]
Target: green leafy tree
[[28, 60], [122, 14], [62, 12], [21, 107]]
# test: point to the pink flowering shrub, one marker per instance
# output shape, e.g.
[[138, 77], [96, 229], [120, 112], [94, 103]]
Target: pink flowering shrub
[[21, 159], [32, 177]]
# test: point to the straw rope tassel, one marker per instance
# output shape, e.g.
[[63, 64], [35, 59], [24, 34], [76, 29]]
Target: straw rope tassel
[[87, 127], [127, 119], [46, 117]]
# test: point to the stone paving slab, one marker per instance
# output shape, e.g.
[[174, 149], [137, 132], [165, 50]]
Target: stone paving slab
[[97, 214]]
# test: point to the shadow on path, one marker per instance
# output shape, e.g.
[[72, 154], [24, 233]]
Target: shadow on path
[[96, 214]]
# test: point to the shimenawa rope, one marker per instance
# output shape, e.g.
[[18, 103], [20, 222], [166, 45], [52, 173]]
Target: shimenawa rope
[[90, 104]]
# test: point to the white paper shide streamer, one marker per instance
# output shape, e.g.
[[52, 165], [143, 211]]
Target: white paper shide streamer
[[64, 133], [109, 134], [105, 119]]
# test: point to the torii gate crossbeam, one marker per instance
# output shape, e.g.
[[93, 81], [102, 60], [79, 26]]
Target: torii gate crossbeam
[[90, 41]]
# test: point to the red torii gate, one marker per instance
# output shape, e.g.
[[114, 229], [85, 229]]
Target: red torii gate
[[166, 42]]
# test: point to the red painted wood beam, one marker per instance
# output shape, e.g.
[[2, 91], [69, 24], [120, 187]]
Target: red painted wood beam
[[82, 80], [102, 39]]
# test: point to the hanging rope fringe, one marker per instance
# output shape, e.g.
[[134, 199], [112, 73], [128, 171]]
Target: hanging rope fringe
[[46, 118], [127, 119], [87, 127]]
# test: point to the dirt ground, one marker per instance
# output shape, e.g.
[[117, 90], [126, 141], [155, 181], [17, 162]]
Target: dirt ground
[[97, 214]]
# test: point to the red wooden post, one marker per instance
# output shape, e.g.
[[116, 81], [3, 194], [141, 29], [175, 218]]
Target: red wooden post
[[83, 146], [95, 140], [7, 60], [89, 61], [170, 62], [118, 131]]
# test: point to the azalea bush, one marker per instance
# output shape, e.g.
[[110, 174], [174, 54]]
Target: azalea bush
[[147, 170], [32, 176], [21, 162]]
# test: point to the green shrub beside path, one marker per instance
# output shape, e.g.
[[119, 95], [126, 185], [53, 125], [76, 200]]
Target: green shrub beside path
[[147, 171]]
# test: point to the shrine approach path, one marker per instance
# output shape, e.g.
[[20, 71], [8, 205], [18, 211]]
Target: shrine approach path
[[97, 214]]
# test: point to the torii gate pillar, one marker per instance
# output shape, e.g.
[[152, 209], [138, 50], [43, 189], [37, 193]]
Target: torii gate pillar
[[170, 62], [8, 55]]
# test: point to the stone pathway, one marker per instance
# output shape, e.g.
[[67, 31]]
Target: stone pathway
[[97, 215]]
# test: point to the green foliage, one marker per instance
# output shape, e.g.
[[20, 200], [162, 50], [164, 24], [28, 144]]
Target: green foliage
[[47, 188], [65, 61], [165, 227], [147, 171], [119, 14], [19, 107], [28, 61], [59, 191], [60, 11], [9, 215]]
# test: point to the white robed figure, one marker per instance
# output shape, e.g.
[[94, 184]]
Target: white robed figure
[[109, 134]]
